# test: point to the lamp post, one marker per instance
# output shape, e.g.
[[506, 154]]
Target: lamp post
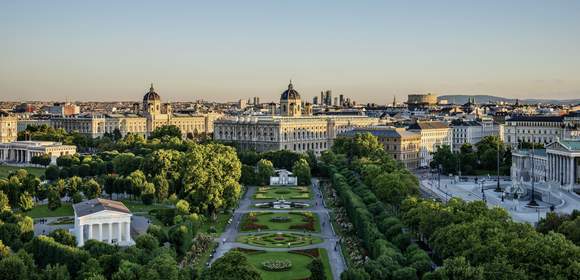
[[497, 188], [439, 177], [533, 200], [483, 192]]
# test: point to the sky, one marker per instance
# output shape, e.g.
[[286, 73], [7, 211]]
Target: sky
[[370, 51]]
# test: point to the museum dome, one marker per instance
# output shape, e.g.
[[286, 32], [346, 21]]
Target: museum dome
[[151, 95], [290, 93]]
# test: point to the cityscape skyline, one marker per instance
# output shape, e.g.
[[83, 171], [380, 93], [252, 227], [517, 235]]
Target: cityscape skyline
[[107, 50]]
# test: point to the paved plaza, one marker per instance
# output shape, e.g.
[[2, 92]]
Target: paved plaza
[[562, 200]]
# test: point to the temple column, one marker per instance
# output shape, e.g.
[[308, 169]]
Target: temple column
[[81, 240], [110, 237], [571, 170], [127, 231], [90, 231], [101, 232], [118, 233]]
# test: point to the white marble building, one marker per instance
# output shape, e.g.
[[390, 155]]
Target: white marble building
[[105, 220], [23, 151], [284, 178]]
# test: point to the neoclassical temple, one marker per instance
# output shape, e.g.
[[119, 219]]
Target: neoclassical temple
[[294, 129], [558, 164], [103, 220], [563, 158]]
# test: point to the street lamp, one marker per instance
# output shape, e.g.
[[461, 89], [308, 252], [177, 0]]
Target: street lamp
[[483, 192], [497, 188], [439, 177], [533, 200]]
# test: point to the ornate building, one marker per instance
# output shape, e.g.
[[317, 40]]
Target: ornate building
[[433, 135], [292, 130], [152, 115], [8, 127]]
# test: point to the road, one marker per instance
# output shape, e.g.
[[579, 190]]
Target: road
[[330, 240]]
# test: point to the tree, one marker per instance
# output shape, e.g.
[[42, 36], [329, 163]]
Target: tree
[[148, 194], [459, 269], [394, 187], [92, 189], [137, 182], [361, 145], [316, 270], [53, 199], [207, 171], [265, 171], [162, 188], [64, 237], [52, 172], [182, 207], [4, 250], [12, 267], [55, 272], [301, 170], [127, 271], [147, 242], [4, 202], [166, 130], [445, 158], [26, 202], [232, 266]]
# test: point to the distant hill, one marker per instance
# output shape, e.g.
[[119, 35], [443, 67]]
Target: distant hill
[[462, 99]]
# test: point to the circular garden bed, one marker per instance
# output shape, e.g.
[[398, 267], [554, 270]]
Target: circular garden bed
[[279, 240]]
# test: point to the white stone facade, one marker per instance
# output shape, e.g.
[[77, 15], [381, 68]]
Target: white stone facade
[[104, 224], [283, 178], [23, 151]]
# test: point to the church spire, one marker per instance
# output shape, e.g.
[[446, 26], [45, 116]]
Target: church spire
[[151, 89], [290, 86]]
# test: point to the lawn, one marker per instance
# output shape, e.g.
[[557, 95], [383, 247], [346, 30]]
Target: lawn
[[283, 193], [299, 268], [42, 211], [136, 206], [5, 170], [279, 240], [297, 221]]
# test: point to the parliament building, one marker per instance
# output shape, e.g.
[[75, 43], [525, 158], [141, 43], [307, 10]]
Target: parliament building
[[291, 126]]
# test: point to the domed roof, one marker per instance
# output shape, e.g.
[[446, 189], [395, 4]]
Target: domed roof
[[290, 93], [151, 95]]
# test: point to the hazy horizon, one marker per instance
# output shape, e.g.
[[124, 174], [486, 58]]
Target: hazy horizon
[[225, 51]]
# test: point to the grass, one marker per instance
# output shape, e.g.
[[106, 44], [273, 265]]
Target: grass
[[325, 262], [219, 224], [299, 268], [5, 170], [42, 211], [283, 240], [138, 206], [295, 218], [270, 193]]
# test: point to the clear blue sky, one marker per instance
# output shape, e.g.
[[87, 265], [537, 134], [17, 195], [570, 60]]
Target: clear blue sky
[[227, 50]]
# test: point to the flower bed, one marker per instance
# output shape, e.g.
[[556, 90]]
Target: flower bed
[[277, 265]]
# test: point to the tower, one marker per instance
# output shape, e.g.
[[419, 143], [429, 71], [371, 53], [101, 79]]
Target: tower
[[290, 103], [151, 102]]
